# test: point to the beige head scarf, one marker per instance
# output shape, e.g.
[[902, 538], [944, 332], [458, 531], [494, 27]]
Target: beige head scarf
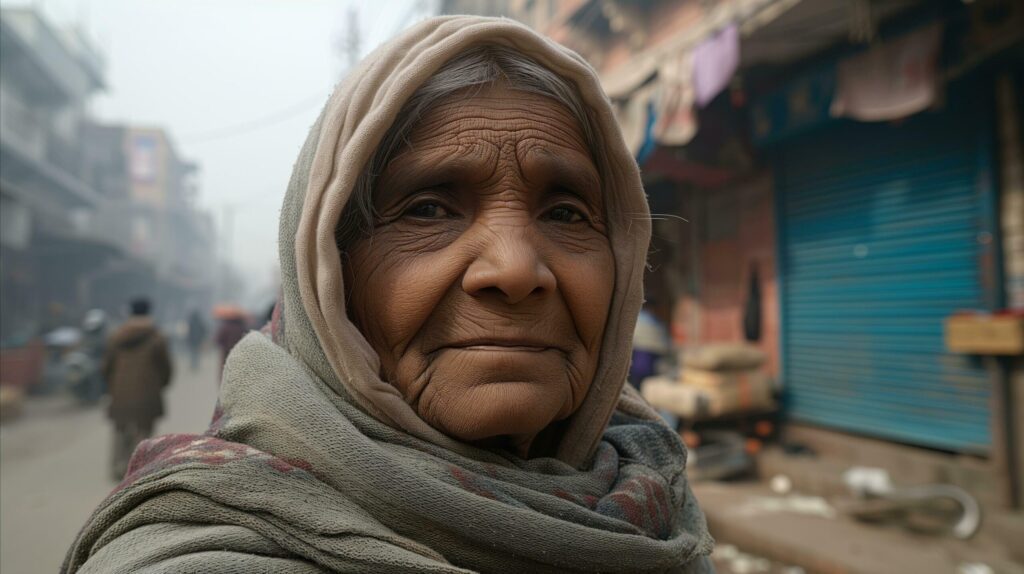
[[352, 125]]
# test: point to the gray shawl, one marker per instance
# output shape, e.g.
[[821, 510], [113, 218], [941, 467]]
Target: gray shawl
[[314, 464]]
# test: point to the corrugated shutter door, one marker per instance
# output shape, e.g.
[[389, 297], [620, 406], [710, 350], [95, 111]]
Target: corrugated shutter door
[[879, 244]]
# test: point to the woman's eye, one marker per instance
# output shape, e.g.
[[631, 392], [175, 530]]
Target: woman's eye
[[427, 210], [565, 214]]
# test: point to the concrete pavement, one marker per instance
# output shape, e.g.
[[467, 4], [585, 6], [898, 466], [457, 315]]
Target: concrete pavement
[[54, 463], [821, 539]]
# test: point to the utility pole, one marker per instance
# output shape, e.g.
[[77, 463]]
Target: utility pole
[[228, 230], [352, 39], [348, 41], [226, 236]]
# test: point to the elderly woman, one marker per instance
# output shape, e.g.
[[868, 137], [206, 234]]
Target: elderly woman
[[441, 388]]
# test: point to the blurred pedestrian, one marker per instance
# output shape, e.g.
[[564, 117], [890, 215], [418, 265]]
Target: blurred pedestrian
[[195, 338], [137, 367], [233, 326]]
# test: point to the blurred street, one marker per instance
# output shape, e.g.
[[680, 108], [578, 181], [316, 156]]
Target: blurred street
[[54, 463]]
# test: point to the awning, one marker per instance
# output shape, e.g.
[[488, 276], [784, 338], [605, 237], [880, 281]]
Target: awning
[[768, 32], [661, 80], [624, 80], [791, 30]]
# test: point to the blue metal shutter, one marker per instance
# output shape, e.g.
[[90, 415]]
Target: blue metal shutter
[[879, 243]]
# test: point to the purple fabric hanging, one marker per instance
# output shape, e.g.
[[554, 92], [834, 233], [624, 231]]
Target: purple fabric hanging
[[714, 62]]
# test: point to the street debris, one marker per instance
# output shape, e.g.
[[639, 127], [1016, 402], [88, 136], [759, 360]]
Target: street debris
[[792, 503], [730, 559], [974, 568], [932, 508], [781, 484]]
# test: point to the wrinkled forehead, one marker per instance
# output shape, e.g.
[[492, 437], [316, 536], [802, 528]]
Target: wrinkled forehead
[[519, 122], [491, 137]]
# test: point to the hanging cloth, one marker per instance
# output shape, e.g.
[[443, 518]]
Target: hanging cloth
[[892, 80], [714, 62], [752, 309]]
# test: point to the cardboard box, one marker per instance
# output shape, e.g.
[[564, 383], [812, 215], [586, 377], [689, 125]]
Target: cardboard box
[[981, 334], [731, 378], [723, 356], [694, 401]]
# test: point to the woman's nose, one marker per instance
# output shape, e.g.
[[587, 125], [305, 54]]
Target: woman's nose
[[510, 267]]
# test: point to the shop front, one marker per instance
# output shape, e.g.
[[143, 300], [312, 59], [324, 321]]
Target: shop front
[[885, 230]]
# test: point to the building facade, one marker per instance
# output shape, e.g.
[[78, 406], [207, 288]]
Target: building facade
[[46, 80], [153, 216], [92, 214]]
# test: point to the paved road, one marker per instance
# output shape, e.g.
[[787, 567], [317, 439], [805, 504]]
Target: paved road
[[54, 463]]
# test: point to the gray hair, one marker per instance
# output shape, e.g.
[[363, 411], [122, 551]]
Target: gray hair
[[479, 67]]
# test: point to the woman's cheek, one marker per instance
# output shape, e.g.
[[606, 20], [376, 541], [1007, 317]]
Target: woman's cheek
[[398, 298], [587, 280]]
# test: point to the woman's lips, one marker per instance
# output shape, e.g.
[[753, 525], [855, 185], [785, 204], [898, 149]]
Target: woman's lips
[[503, 345], [503, 348]]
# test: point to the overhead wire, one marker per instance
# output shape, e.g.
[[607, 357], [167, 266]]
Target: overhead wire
[[291, 111], [248, 126]]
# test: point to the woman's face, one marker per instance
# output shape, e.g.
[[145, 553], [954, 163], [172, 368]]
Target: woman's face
[[486, 283]]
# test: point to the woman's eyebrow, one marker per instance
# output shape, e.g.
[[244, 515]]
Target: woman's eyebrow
[[415, 171], [575, 171]]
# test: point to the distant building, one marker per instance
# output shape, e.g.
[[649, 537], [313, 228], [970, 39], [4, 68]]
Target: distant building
[[46, 243], [154, 216], [91, 214]]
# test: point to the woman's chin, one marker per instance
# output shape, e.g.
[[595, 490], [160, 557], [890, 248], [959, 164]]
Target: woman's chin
[[515, 409]]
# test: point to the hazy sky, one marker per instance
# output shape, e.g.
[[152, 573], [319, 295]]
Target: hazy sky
[[206, 68]]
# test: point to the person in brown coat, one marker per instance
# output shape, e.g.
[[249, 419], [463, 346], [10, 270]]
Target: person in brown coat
[[137, 367]]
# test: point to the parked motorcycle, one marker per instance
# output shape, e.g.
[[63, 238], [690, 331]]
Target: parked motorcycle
[[74, 359]]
